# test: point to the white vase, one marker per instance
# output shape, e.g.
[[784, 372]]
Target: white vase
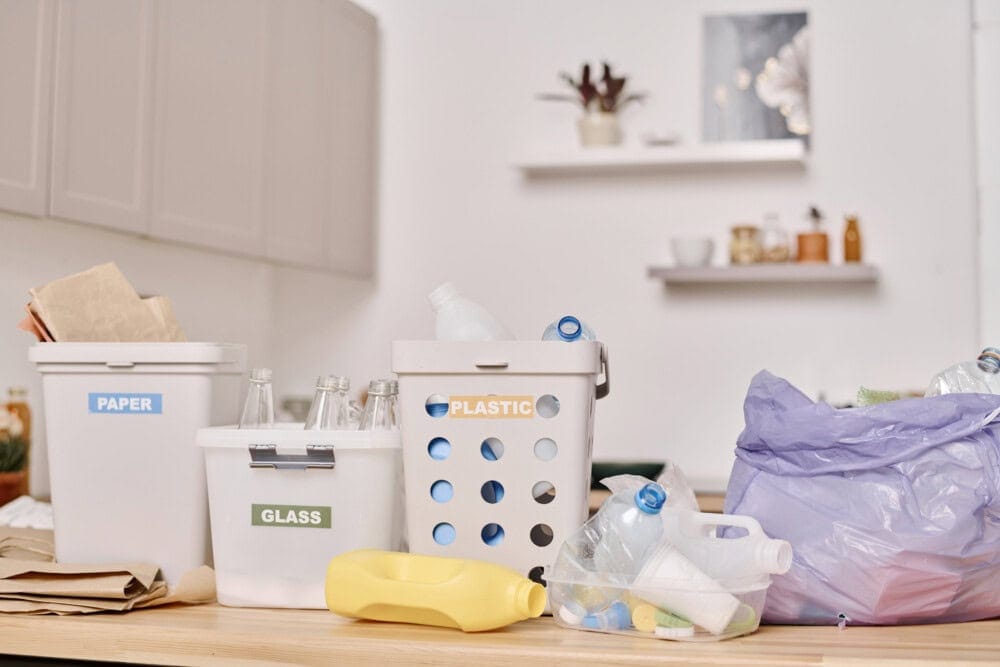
[[599, 128]]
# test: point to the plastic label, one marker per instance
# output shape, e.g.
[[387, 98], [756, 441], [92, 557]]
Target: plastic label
[[491, 407], [125, 404], [290, 516]]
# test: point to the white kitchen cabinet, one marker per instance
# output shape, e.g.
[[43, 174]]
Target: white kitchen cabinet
[[101, 129], [25, 87], [320, 150], [208, 125], [246, 126]]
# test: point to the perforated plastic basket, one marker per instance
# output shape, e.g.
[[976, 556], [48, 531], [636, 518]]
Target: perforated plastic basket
[[497, 440]]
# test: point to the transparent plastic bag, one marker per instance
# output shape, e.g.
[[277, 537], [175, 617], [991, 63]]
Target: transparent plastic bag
[[893, 510]]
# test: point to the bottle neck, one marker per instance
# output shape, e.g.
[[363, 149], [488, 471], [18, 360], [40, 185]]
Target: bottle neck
[[530, 600]]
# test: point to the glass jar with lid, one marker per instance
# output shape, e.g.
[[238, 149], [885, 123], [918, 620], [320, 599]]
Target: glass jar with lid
[[745, 245]]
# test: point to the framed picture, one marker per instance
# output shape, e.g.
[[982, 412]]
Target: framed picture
[[755, 77]]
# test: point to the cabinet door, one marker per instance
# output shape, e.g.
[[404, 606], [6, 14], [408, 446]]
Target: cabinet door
[[101, 131], [25, 79], [319, 174], [354, 120], [299, 100], [208, 123]]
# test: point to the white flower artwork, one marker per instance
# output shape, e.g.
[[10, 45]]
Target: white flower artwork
[[783, 84], [755, 78]]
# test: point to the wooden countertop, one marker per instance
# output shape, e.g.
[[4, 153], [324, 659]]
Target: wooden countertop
[[212, 634]]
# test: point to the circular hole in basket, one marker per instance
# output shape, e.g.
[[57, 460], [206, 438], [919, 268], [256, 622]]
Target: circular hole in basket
[[439, 449], [543, 492], [547, 406], [444, 533], [492, 534], [535, 574], [442, 491], [436, 405], [546, 449], [492, 491], [541, 535], [491, 449]]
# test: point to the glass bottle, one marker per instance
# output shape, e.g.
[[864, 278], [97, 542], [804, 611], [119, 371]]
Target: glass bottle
[[394, 402], [377, 415], [852, 239], [17, 404], [258, 409], [329, 410]]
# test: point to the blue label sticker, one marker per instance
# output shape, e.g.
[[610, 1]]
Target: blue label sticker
[[126, 404]]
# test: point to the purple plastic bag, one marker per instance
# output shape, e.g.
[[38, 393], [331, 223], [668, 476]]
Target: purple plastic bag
[[893, 510]]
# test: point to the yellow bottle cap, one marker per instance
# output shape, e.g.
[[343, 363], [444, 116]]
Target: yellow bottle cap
[[644, 617]]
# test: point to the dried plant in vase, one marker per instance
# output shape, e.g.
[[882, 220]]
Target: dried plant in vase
[[601, 101]]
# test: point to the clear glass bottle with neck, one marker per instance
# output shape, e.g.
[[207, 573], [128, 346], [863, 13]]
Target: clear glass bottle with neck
[[378, 412], [330, 409], [258, 408]]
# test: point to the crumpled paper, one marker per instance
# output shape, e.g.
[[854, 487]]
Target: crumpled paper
[[99, 305]]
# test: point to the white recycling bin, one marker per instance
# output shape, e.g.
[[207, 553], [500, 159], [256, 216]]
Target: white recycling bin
[[127, 480]]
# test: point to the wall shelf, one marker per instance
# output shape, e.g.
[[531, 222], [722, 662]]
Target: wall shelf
[[766, 273], [782, 152]]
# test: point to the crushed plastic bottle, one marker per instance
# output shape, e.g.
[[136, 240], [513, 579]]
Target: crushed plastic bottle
[[459, 318], [630, 527], [969, 377], [568, 329]]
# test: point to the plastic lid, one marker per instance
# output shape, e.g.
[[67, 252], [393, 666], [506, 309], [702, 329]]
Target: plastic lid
[[333, 382], [989, 360], [260, 375], [443, 293], [569, 328], [650, 498]]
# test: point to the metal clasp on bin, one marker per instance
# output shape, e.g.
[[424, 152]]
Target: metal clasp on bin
[[316, 456], [604, 388]]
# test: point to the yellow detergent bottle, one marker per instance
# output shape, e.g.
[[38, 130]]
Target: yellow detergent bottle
[[430, 590]]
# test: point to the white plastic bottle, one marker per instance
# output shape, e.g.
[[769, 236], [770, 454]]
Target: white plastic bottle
[[568, 329], [752, 556], [969, 377], [630, 528], [459, 318]]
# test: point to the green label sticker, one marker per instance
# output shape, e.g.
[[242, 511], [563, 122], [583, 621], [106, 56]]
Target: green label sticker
[[290, 516]]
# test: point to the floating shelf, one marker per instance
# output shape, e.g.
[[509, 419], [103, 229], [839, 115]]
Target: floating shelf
[[767, 273], [789, 152]]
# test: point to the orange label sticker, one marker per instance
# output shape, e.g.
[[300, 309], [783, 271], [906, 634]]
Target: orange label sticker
[[491, 407]]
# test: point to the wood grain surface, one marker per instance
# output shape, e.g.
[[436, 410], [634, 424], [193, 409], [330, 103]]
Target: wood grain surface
[[216, 635]]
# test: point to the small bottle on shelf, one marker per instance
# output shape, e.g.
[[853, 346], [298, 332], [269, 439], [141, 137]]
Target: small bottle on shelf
[[852, 239]]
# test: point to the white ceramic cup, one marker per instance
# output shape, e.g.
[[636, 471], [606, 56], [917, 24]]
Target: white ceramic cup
[[692, 251]]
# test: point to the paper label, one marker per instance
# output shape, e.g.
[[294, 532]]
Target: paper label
[[491, 407], [290, 516], [125, 404]]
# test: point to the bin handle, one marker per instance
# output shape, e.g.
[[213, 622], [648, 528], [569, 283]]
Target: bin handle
[[316, 456], [604, 388], [491, 364]]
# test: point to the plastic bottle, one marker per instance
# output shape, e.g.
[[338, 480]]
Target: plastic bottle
[[970, 377], [329, 410], [459, 318], [430, 590], [630, 528], [753, 556], [258, 409], [568, 329], [378, 413]]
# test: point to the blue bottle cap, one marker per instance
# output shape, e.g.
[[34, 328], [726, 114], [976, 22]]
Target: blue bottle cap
[[569, 328], [650, 498]]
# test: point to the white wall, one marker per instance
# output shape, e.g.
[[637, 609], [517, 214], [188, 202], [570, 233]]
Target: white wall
[[986, 44], [215, 298], [893, 142]]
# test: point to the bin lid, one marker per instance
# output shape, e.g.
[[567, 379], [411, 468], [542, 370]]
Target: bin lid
[[506, 356], [144, 353]]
